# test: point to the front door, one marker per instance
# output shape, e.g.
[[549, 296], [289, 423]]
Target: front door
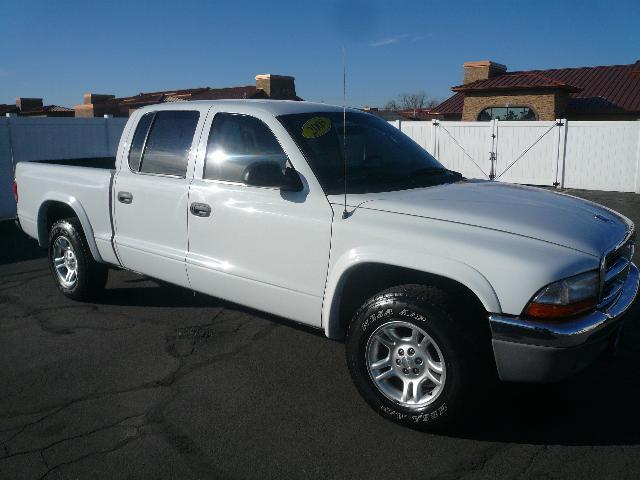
[[151, 192], [260, 247]]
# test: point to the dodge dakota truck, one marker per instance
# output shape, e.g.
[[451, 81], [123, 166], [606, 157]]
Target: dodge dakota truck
[[335, 219]]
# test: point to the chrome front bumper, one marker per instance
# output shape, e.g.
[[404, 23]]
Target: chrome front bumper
[[530, 351]]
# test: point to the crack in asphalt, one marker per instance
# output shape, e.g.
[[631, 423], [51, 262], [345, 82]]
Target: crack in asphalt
[[154, 418]]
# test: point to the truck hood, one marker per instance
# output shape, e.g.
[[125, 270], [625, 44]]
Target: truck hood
[[531, 212]]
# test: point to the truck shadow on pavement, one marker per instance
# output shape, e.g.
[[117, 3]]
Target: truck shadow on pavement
[[600, 406], [16, 246]]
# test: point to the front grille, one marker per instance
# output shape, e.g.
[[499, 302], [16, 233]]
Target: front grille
[[615, 270]]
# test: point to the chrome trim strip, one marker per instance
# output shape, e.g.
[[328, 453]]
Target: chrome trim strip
[[566, 334]]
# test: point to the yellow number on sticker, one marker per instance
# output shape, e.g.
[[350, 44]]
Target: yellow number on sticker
[[316, 127]]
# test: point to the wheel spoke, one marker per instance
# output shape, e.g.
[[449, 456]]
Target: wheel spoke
[[384, 338], [385, 362], [417, 391], [433, 377], [384, 375], [58, 261], [414, 336], [435, 366], [67, 277], [406, 390]]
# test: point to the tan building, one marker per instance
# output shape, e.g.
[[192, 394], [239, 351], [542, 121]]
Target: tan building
[[34, 107], [587, 93], [278, 87]]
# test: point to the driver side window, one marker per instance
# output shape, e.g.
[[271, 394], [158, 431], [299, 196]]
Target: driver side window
[[237, 141]]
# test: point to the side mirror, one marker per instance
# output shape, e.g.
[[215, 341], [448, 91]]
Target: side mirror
[[269, 174]]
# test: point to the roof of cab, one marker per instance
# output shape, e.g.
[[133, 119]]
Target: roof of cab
[[248, 106]]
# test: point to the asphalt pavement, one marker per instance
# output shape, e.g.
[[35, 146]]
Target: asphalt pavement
[[154, 382]]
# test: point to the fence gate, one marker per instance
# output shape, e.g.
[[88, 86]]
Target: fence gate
[[530, 152], [511, 151]]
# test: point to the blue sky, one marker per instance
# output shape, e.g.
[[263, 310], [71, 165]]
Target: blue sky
[[60, 49]]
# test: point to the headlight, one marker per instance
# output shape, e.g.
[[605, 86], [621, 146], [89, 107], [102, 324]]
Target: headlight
[[566, 298]]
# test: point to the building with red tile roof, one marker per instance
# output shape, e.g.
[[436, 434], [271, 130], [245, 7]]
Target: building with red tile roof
[[278, 87], [584, 93]]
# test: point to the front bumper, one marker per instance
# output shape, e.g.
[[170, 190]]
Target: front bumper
[[527, 351]]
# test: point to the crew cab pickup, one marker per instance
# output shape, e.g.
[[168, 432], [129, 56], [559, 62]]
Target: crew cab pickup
[[335, 219]]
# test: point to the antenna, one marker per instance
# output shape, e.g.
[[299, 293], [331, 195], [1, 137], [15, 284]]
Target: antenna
[[345, 214]]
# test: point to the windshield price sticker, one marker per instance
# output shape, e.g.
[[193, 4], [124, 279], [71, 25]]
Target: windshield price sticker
[[316, 127]]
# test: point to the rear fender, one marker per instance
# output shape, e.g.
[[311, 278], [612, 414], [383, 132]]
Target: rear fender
[[56, 197]]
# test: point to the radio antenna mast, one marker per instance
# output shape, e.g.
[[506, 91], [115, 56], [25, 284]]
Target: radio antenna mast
[[345, 214]]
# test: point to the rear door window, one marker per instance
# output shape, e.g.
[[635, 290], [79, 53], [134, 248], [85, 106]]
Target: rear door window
[[166, 150], [137, 144]]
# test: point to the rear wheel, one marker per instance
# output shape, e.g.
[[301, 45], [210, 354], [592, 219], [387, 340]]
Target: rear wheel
[[76, 273], [416, 357]]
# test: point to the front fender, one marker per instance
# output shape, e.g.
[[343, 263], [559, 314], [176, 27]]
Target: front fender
[[76, 206], [420, 261]]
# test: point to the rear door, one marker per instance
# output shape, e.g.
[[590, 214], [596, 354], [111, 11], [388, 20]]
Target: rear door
[[151, 190]]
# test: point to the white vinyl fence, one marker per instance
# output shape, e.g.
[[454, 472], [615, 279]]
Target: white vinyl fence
[[24, 139], [569, 154]]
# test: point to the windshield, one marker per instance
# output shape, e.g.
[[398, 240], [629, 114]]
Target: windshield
[[379, 157]]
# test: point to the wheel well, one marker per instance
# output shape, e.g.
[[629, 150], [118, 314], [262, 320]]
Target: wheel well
[[51, 212], [363, 281]]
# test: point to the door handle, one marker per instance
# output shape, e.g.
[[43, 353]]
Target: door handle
[[125, 197], [200, 209]]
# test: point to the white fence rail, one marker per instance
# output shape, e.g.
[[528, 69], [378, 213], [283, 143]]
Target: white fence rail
[[24, 139], [571, 154]]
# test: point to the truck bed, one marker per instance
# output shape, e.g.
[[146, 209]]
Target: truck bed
[[83, 184], [108, 163]]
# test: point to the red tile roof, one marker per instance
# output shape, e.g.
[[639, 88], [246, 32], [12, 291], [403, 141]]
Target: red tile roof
[[249, 91], [451, 105], [516, 80], [605, 89]]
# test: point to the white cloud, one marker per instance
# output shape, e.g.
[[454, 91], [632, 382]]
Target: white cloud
[[389, 40]]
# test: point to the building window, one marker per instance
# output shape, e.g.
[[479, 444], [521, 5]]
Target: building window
[[507, 113]]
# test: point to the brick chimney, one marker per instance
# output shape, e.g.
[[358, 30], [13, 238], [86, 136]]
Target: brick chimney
[[277, 87], [28, 104], [97, 105], [482, 70], [89, 98]]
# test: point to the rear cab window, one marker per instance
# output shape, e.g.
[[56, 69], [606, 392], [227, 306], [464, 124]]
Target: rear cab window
[[162, 141]]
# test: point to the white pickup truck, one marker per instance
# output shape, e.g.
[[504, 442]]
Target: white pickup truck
[[438, 284]]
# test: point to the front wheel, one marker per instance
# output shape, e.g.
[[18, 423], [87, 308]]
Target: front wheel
[[413, 357], [76, 273]]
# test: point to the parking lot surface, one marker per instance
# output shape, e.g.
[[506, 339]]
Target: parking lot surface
[[154, 382]]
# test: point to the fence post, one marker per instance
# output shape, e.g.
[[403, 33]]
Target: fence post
[[10, 116], [434, 137], [106, 132], [637, 179], [493, 153], [563, 147]]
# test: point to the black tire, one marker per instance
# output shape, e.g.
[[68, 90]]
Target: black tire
[[460, 333], [91, 276]]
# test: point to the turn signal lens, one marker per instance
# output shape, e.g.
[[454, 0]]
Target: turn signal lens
[[551, 311], [15, 191], [565, 298]]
